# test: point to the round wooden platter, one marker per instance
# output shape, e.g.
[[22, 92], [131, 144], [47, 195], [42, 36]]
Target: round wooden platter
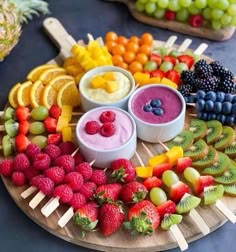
[[203, 32], [121, 240]]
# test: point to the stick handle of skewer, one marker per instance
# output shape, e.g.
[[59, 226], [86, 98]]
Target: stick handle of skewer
[[2, 113], [28, 192], [66, 217], [200, 223], [163, 146], [178, 236], [170, 41], [139, 158], [201, 49], [50, 208], [184, 46], [2, 128], [150, 154], [37, 199], [226, 211], [77, 113]]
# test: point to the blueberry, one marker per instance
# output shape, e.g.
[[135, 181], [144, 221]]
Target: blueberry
[[156, 103], [229, 120], [202, 116], [226, 108], [209, 105], [211, 116], [221, 118], [217, 107], [210, 95], [200, 94], [200, 105], [147, 108], [158, 111], [228, 97], [233, 110], [234, 99], [192, 98], [220, 96]]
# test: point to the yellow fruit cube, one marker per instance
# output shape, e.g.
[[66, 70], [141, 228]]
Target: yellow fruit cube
[[108, 76], [111, 86], [62, 122], [66, 111], [173, 154], [77, 49], [168, 83], [98, 82], [144, 172], [66, 134], [154, 80], [141, 78], [158, 159]]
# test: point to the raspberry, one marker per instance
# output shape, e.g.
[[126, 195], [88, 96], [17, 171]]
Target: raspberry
[[107, 116], [21, 162], [35, 180], [78, 157], [31, 172], [99, 177], [64, 192], [6, 168], [53, 151], [32, 150], [108, 129], [78, 200], [67, 162], [67, 148], [170, 15], [85, 169], [92, 127], [75, 180], [46, 185], [56, 174], [41, 161], [54, 111], [18, 178], [195, 20], [88, 189]]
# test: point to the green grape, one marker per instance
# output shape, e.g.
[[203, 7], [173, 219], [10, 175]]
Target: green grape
[[232, 10], [142, 1], [40, 141], [212, 3], [139, 6], [150, 65], [193, 9], [174, 5], [207, 13], [152, 1], [233, 21], [216, 14], [232, 1], [182, 15], [201, 4], [222, 4], [159, 13], [185, 3], [39, 113], [180, 67], [163, 3], [225, 19], [191, 175], [157, 196], [36, 128], [169, 178], [150, 8], [166, 66], [174, 53], [216, 25]]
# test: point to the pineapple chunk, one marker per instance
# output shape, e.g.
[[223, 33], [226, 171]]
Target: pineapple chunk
[[111, 86], [144, 172], [158, 159], [108, 76], [168, 83], [66, 134], [141, 78], [98, 82]]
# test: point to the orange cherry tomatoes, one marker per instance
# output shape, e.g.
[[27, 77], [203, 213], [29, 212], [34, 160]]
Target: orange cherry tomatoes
[[135, 66], [146, 49], [132, 47], [117, 59], [134, 39], [122, 40], [118, 49], [110, 44], [142, 58], [111, 36], [129, 56], [146, 39]]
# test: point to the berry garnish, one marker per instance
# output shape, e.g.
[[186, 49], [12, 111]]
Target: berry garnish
[[156, 103], [170, 15], [107, 116], [108, 129], [158, 111], [196, 20], [147, 108], [92, 127]]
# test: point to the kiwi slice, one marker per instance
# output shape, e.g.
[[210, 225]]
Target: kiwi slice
[[198, 127], [8, 145], [198, 150], [11, 127], [187, 203], [228, 177], [209, 159], [212, 193], [231, 150], [230, 189], [226, 138], [9, 113], [184, 140], [219, 167], [214, 130], [170, 219]]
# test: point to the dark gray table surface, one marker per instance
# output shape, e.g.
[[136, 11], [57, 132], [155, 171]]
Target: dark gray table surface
[[17, 231]]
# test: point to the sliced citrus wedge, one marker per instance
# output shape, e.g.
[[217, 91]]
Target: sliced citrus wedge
[[59, 81], [23, 94], [49, 96], [36, 93], [34, 74], [68, 95], [50, 73], [12, 96]]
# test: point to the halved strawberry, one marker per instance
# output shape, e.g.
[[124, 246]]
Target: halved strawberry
[[54, 138], [201, 183], [174, 76], [50, 124], [187, 59], [152, 182], [167, 207], [156, 58], [22, 113], [54, 111], [157, 73], [23, 127], [178, 190], [160, 168], [183, 163], [21, 142], [170, 59]]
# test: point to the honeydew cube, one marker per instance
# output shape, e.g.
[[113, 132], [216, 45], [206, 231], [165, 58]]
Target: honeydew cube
[[144, 171], [66, 134], [169, 83], [158, 159], [109, 76], [111, 86], [98, 82]]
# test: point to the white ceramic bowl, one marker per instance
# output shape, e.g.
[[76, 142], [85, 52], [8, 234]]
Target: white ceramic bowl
[[152, 128], [90, 103], [104, 150]]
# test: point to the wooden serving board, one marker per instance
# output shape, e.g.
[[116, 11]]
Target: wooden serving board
[[203, 32], [121, 240]]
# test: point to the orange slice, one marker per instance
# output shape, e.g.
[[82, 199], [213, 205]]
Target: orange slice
[[49, 96], [68, 95], [34, 74], [12, 96], [47, 75], [23, 94], [59, 81], [36, 93]]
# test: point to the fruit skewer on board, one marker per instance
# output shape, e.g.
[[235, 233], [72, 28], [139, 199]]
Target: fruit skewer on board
[[166, 209]]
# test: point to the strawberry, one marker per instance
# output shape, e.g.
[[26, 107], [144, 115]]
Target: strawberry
[[92, 127], [88, 189], [22, 113], [201, 183], [183, 163], [178, 190], [56, 174], [21, 142], [160, 168], [157, 73], [174, 76], [169, 59], [156, 58], [74, 180], [54, 111], [167, 207], [53, 151], [78, 200], [196, 20], [99, 177], [151, 182], [187, 59], [64, 192], [108, 192], [54, 138], [122, 170], [107, 116], [111, 217], [132, 192], [50, 124], [6, 168], [107, 129], [23, 127], [18, 178], [170, 15], [143, 218], [85, 169]]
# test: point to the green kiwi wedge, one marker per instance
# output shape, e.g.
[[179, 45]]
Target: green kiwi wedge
[[187, 203], [228, 177], [184, 140], [170, 219], [212, 193], [9, 113], [7, 145], [230, 189], [231, 150], [198, 150], [11, 127], [219, 167], [198, 127], [214, 130], [226, 138], [209, 159]]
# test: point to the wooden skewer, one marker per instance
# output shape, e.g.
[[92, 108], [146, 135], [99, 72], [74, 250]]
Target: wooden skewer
[[183, 47], [2, 113], [201, 49], [170, 42], [77, 113]]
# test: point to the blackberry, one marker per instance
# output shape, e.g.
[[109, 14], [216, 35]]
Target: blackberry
[[220, 71], [185, 89], [203, 69], [226, 74], [227, 86], [187, 77], [207, 84]]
